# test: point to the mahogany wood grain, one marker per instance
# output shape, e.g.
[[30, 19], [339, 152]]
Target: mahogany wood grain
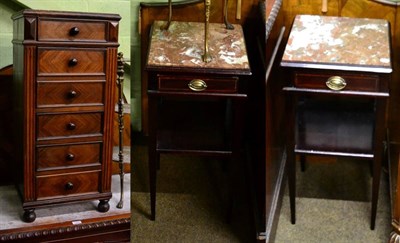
[[55, 157], [72, 61], [180, 83], [61, 185], [68, 62], [54, 29], [353, 82], [70, 93], [59, 125]]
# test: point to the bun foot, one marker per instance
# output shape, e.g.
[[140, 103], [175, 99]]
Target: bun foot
[[29, 215], [103, 206]]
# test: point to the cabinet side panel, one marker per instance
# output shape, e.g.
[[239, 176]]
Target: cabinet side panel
[[24, 117], [111, 75]]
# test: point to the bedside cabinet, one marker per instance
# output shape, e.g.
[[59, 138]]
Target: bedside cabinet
[[65, 70], [195, 108], [337, 92]]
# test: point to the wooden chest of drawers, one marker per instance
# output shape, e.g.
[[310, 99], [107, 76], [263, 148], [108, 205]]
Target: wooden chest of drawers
[[64, 76]]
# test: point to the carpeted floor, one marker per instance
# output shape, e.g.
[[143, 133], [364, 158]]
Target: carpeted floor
[[332, 204]]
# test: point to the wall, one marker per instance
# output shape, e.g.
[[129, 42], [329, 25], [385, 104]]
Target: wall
[[7, 8]]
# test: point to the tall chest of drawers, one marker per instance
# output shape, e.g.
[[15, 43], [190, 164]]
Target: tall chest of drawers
[[65, 67]]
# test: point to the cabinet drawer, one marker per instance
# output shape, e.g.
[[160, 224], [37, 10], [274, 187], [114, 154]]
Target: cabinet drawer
[[59, 125], [71, 61], [198, 84], [351, 82], [67, 184], [68, 155], [72, 93], [67, 30]]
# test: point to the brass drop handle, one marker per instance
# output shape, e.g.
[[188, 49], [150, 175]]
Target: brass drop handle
[[336, 83], [74, 31], [70, 157], [72, 62], [71, 126], [69, 186], [72, 94], [197, 85]]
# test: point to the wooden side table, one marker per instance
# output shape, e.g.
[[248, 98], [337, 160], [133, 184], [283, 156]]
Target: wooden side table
[[185, 93], [337, 92]]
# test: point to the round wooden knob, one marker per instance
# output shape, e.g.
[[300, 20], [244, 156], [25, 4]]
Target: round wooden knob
[[73, 62], [74, 31], [72, 94], [69, 186], [71, 126], [70, 157]]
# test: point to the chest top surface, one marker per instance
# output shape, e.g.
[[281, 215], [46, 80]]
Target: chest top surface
[[339, 43], [182, 47]]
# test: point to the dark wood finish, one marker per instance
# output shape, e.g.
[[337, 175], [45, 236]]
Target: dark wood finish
[[56, 157], [354, 82], [266, 111], [349, 122], [207, 122], [263, 25], [180, 83], [67, 93], [362, 9], [105, 229], [50, 29], [71, 61], [69, 54]]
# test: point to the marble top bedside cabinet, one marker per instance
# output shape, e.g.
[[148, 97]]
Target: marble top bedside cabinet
[[195, 107], [337, 92]]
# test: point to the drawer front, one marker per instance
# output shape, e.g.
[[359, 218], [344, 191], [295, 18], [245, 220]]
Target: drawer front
[[68, 155], [198, 84], [60, 125], [67, 30], [72, 93], [351, 82], [67, 184], [71, 61]]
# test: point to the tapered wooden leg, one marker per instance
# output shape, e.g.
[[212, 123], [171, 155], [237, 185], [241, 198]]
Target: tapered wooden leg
[[152, 152], [291, 159], [292, 184], [303, 163], [375, 190], [153, 183], [378, 152]]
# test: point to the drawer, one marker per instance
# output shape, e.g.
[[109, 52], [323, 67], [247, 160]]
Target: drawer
[[198, 84], [59, 125], [71, 30], [69, 93], [52, 157], [67, 184], [350, 82], [72, 61]]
